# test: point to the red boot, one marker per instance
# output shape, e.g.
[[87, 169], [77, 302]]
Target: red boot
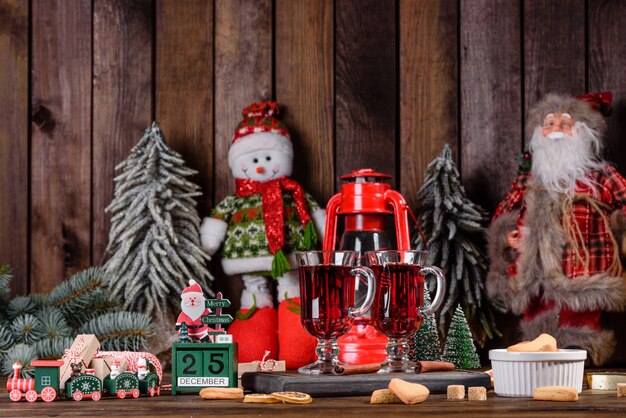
[[296, 346], [255, 334]]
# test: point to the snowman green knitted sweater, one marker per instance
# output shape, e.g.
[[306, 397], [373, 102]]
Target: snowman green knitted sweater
[[245, 234]]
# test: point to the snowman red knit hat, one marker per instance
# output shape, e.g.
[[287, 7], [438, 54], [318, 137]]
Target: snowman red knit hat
[[192, 290], [260, 129]]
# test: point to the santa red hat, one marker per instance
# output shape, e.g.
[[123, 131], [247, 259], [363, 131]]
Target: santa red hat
[[193, 289], [260, 129], [588, 108]]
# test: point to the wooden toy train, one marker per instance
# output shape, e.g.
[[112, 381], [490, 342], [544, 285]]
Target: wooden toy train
[[46, 384]]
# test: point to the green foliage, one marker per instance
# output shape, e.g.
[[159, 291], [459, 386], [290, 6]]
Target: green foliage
[[100, 305], [425, 344], [43, 326], [6, 339], [51, 349], [19, 306], [78, 292], [54, 323], [459, 348], [39, 299], [453, 227], [120, 331], [27, 329], [22, 353], [5, 279], [154, 241]]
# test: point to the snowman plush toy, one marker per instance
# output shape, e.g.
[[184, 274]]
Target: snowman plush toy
[[261, 226]]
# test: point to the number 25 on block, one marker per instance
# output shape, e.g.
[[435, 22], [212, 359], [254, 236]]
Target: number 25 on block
[[199, 365]]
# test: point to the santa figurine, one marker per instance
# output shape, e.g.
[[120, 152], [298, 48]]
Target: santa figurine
[[193, 309], [555, 239], [261, 226]]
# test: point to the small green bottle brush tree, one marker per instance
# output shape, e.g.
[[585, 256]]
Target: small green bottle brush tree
[[424, 344], [460, 348], [43, 326]]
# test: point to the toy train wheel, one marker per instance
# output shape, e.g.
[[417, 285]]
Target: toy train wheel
[[31, 396], [15, 395], [121, 394], [95, 395], [77, 395], [48, 394], [135, 393], [151, 391]]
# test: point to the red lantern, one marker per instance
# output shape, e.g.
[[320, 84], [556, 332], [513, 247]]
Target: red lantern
[[370, 216]]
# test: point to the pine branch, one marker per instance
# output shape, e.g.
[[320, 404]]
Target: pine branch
[[6, 339], [52, 349], [100, 305], [23, 353], [54, 324], [27, 329], [19, 306], [120, 331], [5, 278], [39, 299], [78, 292]]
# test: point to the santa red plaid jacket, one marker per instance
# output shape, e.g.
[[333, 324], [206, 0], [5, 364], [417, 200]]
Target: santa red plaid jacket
[[611, 192]]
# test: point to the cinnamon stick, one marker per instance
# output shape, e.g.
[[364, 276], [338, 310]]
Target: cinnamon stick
[[433, 366], [357, 368]]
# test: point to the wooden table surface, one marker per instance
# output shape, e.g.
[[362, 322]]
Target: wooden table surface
[[591, 403]]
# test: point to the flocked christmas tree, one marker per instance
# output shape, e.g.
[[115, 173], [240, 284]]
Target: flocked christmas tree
[[459, 348], [453, 227], [154, 242], [424, 344], [43, 326]]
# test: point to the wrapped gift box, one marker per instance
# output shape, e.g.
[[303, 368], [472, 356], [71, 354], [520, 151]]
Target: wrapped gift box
[[82, 350], [102, 366]]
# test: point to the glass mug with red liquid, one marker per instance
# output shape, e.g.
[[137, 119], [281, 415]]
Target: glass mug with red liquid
[[327, 293], [398, 309]]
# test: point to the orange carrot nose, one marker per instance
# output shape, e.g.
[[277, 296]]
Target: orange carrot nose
[[260, 170]]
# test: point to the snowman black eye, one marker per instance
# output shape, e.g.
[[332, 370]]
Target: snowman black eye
[[255, 160], [268, 158]]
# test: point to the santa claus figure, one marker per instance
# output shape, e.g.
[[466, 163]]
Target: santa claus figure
[[555, 239], [261, 226], [193, 309]]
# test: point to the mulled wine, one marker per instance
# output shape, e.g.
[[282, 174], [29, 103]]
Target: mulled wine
[[399, 296], [327, 295]]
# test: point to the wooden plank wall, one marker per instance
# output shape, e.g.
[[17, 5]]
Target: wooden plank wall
[[377, 83]]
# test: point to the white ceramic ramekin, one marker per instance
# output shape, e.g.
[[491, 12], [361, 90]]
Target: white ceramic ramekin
[[517, 374]]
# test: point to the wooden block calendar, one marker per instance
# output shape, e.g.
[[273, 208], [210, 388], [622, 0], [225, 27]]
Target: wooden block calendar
[[199, 365]]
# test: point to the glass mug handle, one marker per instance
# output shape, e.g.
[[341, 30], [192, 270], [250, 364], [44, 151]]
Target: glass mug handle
[[371, 287], [441, 289]]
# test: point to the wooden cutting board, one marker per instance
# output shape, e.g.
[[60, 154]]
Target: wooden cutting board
[[356, 384]]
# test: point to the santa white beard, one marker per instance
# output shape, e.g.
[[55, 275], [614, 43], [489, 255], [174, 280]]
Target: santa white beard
[[193, 309], [560, 163]]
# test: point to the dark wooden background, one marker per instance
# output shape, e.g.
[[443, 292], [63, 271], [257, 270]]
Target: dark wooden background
[[367, 83]]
